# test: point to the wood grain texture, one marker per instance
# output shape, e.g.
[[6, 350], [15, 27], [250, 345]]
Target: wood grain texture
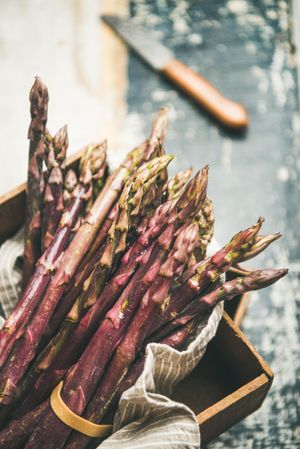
[[223, 415], [229, 113]]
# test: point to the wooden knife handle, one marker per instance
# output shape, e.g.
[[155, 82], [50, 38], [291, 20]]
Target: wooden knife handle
[[231, 114]]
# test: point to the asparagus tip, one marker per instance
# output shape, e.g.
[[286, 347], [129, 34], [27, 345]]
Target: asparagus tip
[[38, 91], [264, 278], [61, 142], [38, 108], [194, 192]]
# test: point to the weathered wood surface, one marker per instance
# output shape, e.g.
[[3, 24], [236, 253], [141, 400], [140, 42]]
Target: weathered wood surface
[[244, 48]]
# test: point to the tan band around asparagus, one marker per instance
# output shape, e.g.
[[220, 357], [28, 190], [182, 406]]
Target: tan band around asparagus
[[76, 422]]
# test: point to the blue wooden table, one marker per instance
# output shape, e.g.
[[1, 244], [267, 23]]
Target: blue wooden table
[[245, 49]]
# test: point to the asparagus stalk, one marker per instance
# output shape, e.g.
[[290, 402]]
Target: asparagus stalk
[[198, 277], [188, 205], [99, 239], [35, 182], [53, 195], [70, 183], [129, 205], [256, 280], [175, 340], [261, 243], [111, 329], [15, 434], [142, 322], [82, 379], [26, 349], [46, 265], [174, 212], [75, 288], [177, 182]]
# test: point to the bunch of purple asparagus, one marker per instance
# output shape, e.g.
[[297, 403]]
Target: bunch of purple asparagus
[[110, 264]]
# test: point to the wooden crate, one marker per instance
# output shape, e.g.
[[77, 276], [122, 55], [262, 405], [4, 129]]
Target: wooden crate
[[231, 380]]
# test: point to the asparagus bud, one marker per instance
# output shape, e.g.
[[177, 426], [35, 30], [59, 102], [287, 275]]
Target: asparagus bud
[[194, 194], [60, 145], [177, 182], [205, 219], [261, 243], [70, 182], [53, 195], [158, 131], [38, 109]]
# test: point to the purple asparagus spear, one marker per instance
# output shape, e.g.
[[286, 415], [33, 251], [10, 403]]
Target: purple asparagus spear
[[53, 195], [199, 276], [111, 329], [35, 180], [141, 323], [256, 280], [19, 360], [46, 265], [82, 379], [173, 212]]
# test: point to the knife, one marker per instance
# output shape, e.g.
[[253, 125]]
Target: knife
[[160, 58]]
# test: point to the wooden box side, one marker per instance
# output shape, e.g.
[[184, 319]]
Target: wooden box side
[[248, 363], [229, 383], [224, 414]]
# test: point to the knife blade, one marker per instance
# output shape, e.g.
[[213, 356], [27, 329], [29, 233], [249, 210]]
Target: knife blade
[[160, 58]]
